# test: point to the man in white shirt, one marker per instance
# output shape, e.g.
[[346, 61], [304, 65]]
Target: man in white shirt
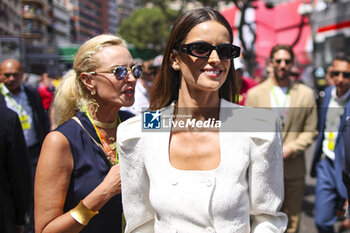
[[329, 150], [296, 106]]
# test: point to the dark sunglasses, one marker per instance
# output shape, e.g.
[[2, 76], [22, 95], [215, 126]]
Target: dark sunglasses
[[287, 61], [120, 72], [15, 75], [337, 73], [203, 50]]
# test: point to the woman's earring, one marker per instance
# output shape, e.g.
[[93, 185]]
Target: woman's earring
[[93, 92], [94, 106], [176, 67]]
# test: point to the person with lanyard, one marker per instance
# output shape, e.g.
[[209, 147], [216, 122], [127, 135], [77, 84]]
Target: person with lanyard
[[15, 173], [77, 185], [296, 106], [26, 102], [328, 157]]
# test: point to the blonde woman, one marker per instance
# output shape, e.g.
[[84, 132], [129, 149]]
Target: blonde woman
[[77, 183]]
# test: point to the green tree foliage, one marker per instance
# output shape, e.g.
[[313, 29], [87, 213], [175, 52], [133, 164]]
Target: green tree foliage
[[148, 28]]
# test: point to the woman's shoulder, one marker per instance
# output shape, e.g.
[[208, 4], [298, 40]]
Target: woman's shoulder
[[71, 128], [129, 129], [66, 125]]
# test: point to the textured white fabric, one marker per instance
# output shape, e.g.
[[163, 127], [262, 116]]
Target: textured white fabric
[[248, 181]]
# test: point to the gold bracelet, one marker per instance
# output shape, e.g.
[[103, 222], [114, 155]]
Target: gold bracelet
[[82, 214]]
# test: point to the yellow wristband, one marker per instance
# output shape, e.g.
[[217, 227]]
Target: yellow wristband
[[82, 214]]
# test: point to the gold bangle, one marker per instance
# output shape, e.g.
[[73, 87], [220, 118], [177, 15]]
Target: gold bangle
[[82, 214]]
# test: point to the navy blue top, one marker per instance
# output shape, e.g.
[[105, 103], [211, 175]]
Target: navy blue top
[[90, 168]]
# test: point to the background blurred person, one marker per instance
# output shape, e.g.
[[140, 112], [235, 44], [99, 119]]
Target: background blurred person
[[46, 90], [78, 178], [296, 106], [26, 102], [329, 77], [346, 167], [245, 82], [15, 174], [142, 88], [294, 74], [328, 157]]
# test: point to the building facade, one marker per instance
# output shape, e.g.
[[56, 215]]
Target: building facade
[[125, 8], [10, 29], [61, 22], [37, 22], [86, 19], [10, 17], [331, 31]]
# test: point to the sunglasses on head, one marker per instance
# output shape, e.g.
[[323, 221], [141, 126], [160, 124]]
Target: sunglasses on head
[[120, 72], [203, 50], [287, 61], [337, 73], [15, 75]]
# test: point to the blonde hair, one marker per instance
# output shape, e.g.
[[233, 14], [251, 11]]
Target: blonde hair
[[71, 95]]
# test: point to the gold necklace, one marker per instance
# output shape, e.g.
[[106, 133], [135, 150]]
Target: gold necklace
[[105, 125]]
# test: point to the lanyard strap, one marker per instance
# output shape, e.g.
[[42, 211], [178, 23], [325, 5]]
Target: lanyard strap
[[18, 107], [110, 154], [275, 97], [110, 161]]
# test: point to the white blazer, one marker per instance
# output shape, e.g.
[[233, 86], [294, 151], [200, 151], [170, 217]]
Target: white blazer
[[248, 181]]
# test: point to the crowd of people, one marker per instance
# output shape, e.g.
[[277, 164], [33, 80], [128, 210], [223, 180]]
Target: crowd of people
[[78, 158]]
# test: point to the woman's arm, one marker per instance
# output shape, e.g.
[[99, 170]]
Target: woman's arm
[[138, 212], [52, 179], [266, 187]]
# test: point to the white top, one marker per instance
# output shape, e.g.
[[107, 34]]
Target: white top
[[248, 181], [334, 113], [280, 101]]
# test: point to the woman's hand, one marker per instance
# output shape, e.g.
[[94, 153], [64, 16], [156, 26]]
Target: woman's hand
[[109, 187], [112, 180]]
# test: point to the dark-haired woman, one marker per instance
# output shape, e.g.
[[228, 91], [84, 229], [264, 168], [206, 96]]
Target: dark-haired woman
[[197, 170]]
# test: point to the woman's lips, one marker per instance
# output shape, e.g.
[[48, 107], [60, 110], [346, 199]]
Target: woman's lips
[[129, 92], [213, 73]]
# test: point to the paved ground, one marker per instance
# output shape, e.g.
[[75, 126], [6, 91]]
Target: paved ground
[[307, 220]]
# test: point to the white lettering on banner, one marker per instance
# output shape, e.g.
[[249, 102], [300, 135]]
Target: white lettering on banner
[[209, 123]]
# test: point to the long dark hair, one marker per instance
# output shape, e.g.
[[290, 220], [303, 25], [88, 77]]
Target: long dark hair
[[166, 85]]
